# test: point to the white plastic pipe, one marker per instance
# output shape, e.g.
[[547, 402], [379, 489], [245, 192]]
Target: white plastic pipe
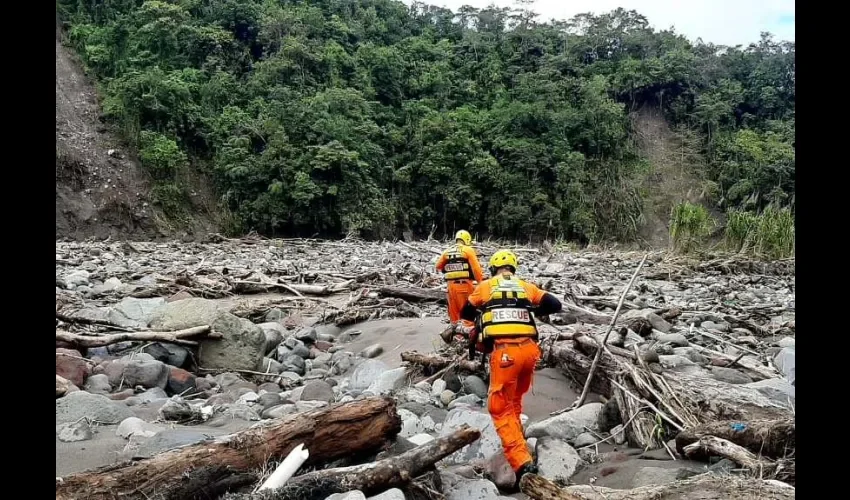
[[286, 469]]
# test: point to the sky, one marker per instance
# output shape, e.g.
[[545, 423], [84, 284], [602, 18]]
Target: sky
[[722, 22]]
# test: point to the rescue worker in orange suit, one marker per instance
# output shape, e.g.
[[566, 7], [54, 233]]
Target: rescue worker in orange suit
[[459, 264], [504, 307]]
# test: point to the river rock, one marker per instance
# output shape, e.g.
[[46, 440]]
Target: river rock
[[307, 335], [350, 495], [556, 459], [391, 494], [242, 346], [274, 332], [71, 366], [317, 390], [131, 312], [655, 320], [488, 444], [78, 405], [147, 374], [73, 432], [785, 362], [366, 373], [98, 384], [676, 339], [168, 439], [372, 351], [470, 489], [474, 385], [729, 375], [388, 381], [410, 423], [568, 425], [177, 410]]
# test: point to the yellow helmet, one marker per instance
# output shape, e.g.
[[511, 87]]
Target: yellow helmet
[[464, 236], [503, 258]]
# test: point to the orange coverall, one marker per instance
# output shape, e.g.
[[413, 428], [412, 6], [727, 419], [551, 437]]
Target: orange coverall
[[458, 290], [512, 364]]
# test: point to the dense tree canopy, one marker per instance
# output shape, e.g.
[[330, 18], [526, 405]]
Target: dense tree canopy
[[333, 116]]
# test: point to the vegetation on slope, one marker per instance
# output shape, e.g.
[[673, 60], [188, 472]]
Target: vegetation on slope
[[369, 116]]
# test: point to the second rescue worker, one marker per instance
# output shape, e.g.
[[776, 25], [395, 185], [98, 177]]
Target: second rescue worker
[[507, 305], [460, 267]]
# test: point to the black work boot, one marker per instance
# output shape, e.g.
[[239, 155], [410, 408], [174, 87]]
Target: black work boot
[[526, 468]]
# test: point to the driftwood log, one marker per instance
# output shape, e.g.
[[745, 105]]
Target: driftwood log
[[414, 294], [782, 469], [371, 478], [702, 487], [207, 469], [435, 362], [576, 365], [772, 438], [176, 337]]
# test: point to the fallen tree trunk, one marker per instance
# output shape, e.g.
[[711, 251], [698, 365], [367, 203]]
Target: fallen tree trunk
[[414, 294], [702, 487], [176, 337], [205, 469], [783, 470], [371, 478], [772, 438], [438, 362]]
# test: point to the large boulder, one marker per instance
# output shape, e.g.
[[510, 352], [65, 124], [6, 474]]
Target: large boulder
[[785, 362], [80, 404], [488, 444], [568, 425], [145, 373], [135, 313], [241, 347], [388, 381], [185, 313]]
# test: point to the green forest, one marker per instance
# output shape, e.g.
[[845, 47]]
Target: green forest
[[375, 118]]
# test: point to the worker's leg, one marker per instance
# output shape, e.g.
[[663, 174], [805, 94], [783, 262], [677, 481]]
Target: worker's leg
[[458, 294], [530, 354], [504, 373]]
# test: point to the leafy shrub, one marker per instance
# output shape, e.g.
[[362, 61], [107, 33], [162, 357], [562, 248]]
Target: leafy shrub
[[690, 225], [160, 155], [769, 234]]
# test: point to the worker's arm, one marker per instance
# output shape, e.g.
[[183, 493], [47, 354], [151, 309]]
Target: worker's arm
[[544, 302], [475, 300], [441, 262], [474, 264]]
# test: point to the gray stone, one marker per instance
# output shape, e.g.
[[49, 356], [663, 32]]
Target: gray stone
[[692, 354], [488, 444], [468, 400], [279, 411], [177, 410], [785, 362], [76, 278], [98, 384], [471, 489], [420, 439], [340, 363], [777, 389], [655, 320], [152, 395], [372, 351], [351, 495], [446, 397], [241, 347], [474, 385], [268, 399], [317, 390], [80, 404], [300, 350], [568, 425], [248, 398], [676, 339], [609, 417], [240, 411], [274, 332], [185, 313], [367, 372], [675, 361], [146, 374], [391, 494], [585, 439], [413, 395], [500, 472], [438, 387], [271, 366], [74, 431], [309, 405], [410, 423], [136, 313], [168, 439], [619, 435], [556, 459], [135, 426], [295, 364], [306, 335], [729, 375], [388, 381], [787, 342], [290, 378]]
